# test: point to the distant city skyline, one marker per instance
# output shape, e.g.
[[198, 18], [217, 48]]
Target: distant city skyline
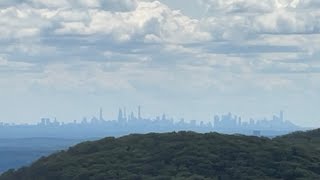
[[134, 122], [125, 113], [201, 114]]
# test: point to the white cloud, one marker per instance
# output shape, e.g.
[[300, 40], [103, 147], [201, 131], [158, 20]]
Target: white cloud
[[150, 21], [256, 6], [242, 6], [110, 5], [288, 22], [18, 23], [263, 16]]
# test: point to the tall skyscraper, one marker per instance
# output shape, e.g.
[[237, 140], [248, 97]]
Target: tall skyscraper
[[124, 113], [164, 118], [139, 112], [101, 115], [132, 116], [281, 116], [120, 115]]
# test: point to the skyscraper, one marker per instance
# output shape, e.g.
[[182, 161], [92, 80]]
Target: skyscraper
[[101, 115], [120, 115], [125, 114], [281, 116], [139, 112]]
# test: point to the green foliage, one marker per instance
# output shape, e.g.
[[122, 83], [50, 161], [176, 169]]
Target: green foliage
[[183, 155]]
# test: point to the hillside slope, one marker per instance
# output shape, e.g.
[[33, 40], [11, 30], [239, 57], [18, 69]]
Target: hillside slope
[[183, 155], [15, 153]]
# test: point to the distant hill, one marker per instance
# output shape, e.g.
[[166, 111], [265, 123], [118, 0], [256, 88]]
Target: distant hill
[[15, 153], [312, 135], [183, 155]]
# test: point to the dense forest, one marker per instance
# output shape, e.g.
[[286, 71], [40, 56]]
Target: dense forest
[[182, 155]]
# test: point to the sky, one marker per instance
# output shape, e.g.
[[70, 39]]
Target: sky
[[185, 58]]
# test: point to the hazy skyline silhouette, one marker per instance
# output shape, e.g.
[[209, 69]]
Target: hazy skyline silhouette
[[128, 122]]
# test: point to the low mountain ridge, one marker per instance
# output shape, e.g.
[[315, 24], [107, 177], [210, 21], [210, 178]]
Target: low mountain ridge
[[182, 155]]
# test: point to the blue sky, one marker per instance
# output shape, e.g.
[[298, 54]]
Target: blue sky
[[191, 59]]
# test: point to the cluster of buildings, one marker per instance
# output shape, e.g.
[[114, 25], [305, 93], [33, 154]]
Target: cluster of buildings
[[229, 122], [134, 123]]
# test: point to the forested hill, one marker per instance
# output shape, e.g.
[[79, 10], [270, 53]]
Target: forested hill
[[183, 155]]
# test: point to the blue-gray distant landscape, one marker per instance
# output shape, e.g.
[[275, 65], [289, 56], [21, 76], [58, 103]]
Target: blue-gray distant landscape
[[17, 152], [128, 123], [21, 144]]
